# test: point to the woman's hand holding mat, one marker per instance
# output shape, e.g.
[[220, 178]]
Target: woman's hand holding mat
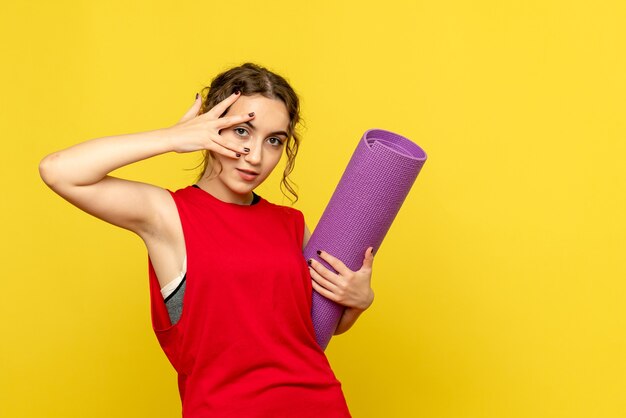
[[349, 288]]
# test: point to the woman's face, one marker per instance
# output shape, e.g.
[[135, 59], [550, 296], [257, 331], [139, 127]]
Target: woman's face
[[265, 135]]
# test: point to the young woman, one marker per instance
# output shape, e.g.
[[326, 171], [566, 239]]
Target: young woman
[[230, 291]]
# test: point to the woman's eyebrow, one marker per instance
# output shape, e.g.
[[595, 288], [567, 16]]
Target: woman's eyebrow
[[271, 133]]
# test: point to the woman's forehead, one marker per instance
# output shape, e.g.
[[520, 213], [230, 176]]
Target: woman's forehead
[[267, 111]]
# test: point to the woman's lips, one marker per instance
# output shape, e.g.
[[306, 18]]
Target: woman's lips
[[247, 175]]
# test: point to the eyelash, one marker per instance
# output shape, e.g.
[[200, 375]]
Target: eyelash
[[237, 129], [243, 129], [277, 143]]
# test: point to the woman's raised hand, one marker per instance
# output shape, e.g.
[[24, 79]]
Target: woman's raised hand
[[202, 132]]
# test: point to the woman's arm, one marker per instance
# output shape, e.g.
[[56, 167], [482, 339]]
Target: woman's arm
[[80, 173], [348, 318]]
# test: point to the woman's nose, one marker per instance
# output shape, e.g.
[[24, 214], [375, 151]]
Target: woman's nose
[[255, 154]]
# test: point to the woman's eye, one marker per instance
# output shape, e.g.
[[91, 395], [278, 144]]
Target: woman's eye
[[275, 141], [240, 131]]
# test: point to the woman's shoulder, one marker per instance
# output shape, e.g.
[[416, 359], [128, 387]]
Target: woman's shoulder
[[283, 208], [293, 215], [292, 218]]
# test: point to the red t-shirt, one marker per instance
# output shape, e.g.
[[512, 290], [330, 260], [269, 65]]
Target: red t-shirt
[[245, 345]]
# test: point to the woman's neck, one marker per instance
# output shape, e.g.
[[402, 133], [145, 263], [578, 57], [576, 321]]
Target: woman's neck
[[220, 191]]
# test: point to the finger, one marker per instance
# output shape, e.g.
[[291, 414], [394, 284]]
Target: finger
[[324, 292], [368, 260], [193, 110], [228, 121], [227, 148], [319, 268], [227, 152], [221, 107], [322, 281], [334, 263]]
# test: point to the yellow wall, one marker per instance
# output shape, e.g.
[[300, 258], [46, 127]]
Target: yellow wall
[[500, 288]]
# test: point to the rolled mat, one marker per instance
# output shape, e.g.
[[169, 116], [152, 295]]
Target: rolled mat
[[365, 202]]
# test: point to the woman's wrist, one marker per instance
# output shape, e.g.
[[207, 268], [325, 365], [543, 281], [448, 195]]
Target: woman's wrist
[[367, 303], [167, 140]]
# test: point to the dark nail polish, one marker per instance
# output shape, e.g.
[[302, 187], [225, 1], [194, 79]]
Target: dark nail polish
[[246, 150], [237, 92], [309, 262], [238, 155], [197, 96], [251, 114], [319, 252]]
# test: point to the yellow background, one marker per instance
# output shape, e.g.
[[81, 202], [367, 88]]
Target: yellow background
[[500, 287]]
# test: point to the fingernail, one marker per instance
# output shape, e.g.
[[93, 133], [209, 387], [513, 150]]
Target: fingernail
[[246, 150], [197, 96], [238, 155], [309, 262], [319, 252], [251, 114], [237, 92]]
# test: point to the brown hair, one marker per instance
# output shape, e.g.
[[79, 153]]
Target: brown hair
[[253, 79]]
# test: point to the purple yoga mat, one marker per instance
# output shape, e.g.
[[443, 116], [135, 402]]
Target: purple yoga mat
[[367, 199]]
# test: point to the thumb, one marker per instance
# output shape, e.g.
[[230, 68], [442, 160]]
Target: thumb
[[368, 261], [193, 111]]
